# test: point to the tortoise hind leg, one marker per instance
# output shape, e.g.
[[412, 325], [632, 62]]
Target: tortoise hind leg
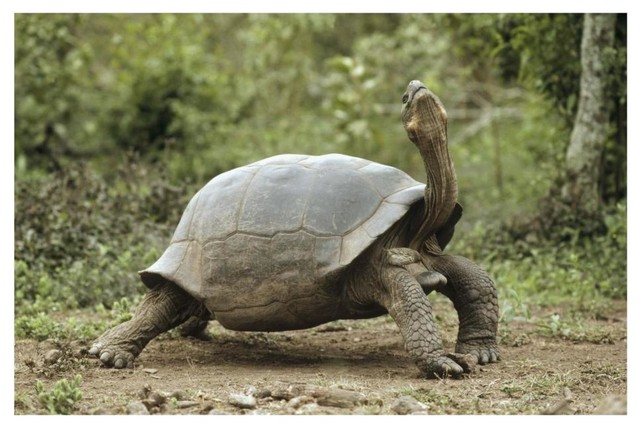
[[475, 298], [163, 308], [196, 327]]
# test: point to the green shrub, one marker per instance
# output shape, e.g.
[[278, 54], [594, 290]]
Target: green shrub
[[62, 397], [42, 326], [578, 270], [39, 327], [81, 238]]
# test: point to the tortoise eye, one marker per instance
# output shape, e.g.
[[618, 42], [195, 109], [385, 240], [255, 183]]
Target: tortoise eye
[[405, 98]]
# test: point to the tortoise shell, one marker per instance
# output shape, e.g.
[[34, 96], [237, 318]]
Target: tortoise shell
[[271, 231]]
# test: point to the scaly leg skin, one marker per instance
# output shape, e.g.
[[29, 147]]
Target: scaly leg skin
[[408, 305], [475, 298], [163, 308]]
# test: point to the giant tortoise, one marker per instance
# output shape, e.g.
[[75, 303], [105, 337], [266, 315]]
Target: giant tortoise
[[294, 241]]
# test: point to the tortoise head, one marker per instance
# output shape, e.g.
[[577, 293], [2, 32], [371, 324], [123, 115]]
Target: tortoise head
[[423, 113]]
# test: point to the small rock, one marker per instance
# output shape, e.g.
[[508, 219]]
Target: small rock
[[154, 399], [52, 356], [150, 371], [407, 405], [250, 390], [185, 404], [561, 407], [144, 392], [330, 397], [263, 393], [158, 397], [242, 401], [335, 397], [216, 412], [137, 408], [149, 404], [297, 402]]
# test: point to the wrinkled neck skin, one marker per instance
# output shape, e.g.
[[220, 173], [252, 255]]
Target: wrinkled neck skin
[[426, 126]]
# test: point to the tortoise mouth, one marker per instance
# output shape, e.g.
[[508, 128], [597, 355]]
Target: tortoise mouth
[[417, 95], [433, 104], [419, 88], [420, 93]]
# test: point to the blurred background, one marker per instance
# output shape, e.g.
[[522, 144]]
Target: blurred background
[[119, 119]]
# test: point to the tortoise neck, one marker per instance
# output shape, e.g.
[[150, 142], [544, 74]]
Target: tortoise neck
[[441, 193]]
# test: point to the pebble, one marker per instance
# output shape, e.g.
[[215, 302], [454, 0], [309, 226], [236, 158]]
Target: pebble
[[243, 401], [144, 391], [263, 393], [158, 397], [185, 404], [137, 408], [154, 399], [299, 401], [407, 405], [335, 397], [327, 397]]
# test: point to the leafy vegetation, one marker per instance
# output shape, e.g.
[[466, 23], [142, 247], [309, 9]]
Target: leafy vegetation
[[62, 397], [121, 118]]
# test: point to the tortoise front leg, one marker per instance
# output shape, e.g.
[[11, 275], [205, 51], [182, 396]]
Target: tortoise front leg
[[163, 308], [408, 305], [475, 298]]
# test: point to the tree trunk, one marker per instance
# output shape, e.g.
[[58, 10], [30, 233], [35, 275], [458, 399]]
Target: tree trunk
[[591, 128]]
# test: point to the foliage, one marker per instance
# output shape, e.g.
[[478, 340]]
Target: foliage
[[552, 68], [581, 271], [62, 397], [41, 326], [573, 329], [48, 65], [544, 52], [38, 327], [79, 241]]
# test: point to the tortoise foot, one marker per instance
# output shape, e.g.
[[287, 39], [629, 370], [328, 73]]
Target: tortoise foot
[[485, 351], [444, 366], [115, 348]]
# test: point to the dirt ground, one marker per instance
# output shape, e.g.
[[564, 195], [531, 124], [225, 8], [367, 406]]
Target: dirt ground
[[345, 367]]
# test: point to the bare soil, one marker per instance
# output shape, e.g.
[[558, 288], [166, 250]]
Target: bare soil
[[345, 367]]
